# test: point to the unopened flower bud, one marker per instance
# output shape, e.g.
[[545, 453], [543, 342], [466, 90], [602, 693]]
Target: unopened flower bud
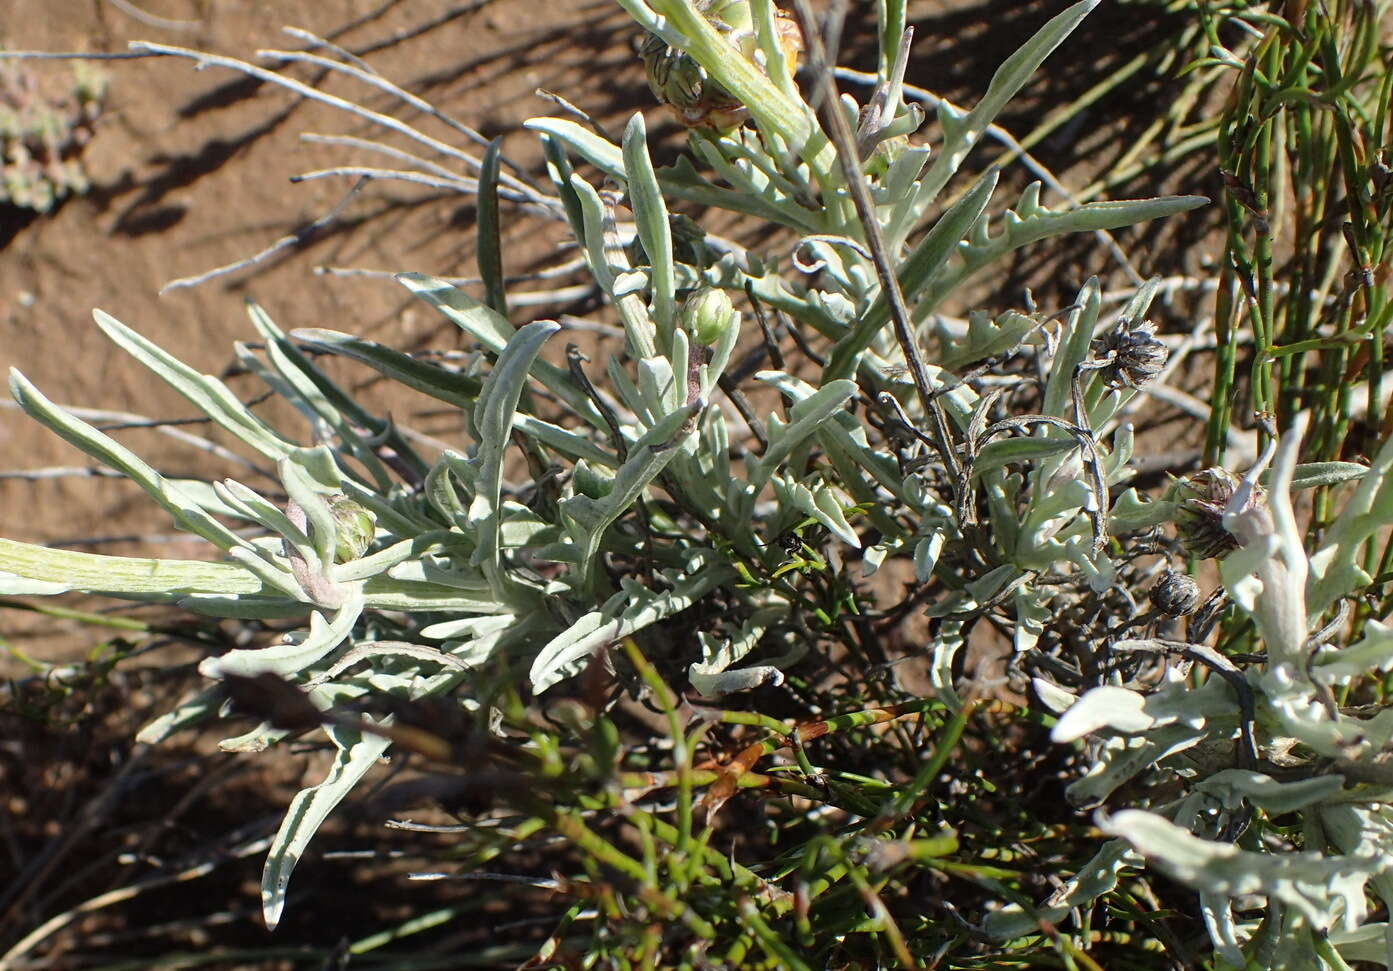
[[1175, 594], [1131, 356], [708, 315], [354, 527], [1199, 521]]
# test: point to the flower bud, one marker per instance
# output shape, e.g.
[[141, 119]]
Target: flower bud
[[708, 315], [354, 527], [1175, 594], [1199, 519], [1130, 356]]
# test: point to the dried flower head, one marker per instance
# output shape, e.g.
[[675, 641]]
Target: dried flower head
[[699, 101], [1175, 594], [1130, 356], [678, 81], [1201, 499]]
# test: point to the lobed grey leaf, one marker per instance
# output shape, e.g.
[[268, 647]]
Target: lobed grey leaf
[[205, 392], [962, 131], [449, 386], [357, 753], [632, 610]]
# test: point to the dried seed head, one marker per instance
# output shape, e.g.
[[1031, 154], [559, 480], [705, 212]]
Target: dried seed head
[[354, 527], [708, 314], [1130, 356], [1199, 520], [1175, 594], [699, 101], [678, 81]]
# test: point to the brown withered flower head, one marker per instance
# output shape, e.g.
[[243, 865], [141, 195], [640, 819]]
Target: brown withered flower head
[[1175, 594], [1200, 500], [1130, 356]]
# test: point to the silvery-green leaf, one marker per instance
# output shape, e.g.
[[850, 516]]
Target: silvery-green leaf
[[821, 504], [468, 627], [1097, 877], [1072, 350], [357, 753], [185, 714], [1055, 698], [16, 586], [488, 248], [1123, 757], [1032, 614], [1368, 943], [629, 282], [1105, 706], [1217, 913], [257, 739], [327, 407], [1267, 574], [984, 338], [963, 131], [254, 507], [493, 417], [731, 681], [1373, 652], [597, 254], [1336, 567], [756, 185], [385, 559], [604, 155], [946, 647], [1131, 513], [484, 325], [204, 391], [988, 585], [360, 423], [872, 558], [1029, 222], [299, 650], [437, 570], [308, 481], [1312, 475], [804, 418], [445, 385], [658, 382], [1011, 451], [393, 593], [651, 218], [635, 608], [97, 573], [563, 440], [241, 607], [927, 259], [1324, 889], [1267, 793], [587, 519], [184, 509], [851, 475], [712, 677], [926, 553]]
